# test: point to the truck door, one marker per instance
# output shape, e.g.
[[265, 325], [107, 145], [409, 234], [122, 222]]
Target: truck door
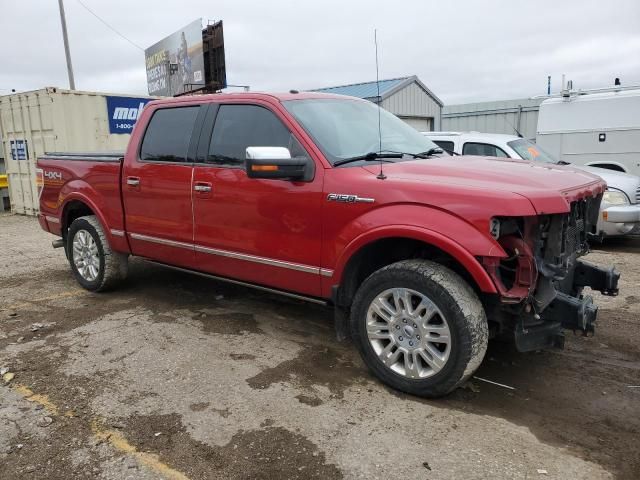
[[261, 231], [156, 187]]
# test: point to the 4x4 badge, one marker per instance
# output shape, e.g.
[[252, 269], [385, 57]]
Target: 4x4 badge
[[344, 198]]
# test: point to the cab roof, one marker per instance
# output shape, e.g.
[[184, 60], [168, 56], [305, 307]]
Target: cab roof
[[279, 97]]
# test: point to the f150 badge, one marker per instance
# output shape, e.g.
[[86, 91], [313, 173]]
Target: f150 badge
[[345, 198]]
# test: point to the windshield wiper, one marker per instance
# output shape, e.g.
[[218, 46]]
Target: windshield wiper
[[381, 156], [429, 153], [369, 157], [562, 162]]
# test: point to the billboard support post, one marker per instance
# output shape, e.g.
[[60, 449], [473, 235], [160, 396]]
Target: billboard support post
[[63, 21]]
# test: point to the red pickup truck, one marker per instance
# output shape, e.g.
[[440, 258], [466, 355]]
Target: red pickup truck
[[328, 198]]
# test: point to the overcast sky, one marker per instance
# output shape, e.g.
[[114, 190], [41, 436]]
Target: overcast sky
[[464, 51]]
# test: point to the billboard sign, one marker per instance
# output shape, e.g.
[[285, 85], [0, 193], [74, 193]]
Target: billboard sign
[[123, 112], [176, 63]]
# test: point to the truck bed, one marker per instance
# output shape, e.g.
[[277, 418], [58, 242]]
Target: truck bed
[[92, 178]]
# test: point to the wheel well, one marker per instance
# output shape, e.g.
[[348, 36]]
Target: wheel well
[[386, 251], [609, 166], [74, 209]]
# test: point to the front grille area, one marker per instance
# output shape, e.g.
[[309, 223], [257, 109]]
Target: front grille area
[[564, 236], [638, 195]]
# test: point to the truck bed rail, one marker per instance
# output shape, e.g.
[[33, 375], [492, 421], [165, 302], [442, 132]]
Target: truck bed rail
[[85, 156]]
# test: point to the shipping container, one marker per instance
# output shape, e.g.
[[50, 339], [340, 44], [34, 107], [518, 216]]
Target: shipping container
[[53, 119]]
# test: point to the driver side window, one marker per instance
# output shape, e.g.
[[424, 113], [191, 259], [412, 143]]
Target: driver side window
[[240, 126]]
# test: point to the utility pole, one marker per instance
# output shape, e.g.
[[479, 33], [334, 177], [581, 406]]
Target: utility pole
[[63, 21]]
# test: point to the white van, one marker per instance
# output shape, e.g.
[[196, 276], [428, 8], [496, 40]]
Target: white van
[[594, 129]]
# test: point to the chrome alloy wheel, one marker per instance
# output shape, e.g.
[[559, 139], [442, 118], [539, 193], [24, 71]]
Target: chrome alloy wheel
[[409, 333], [86, 257]]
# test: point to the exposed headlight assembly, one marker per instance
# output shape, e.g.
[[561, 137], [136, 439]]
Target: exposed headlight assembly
[[615, 197]]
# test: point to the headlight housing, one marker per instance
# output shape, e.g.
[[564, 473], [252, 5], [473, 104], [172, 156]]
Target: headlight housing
[[615, 197]]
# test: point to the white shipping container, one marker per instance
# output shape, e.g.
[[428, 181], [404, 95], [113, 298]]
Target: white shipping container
[[54, 120]]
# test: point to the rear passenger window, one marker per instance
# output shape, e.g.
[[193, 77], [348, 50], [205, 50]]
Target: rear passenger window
[[444, 144], [168, 135], [240, 126], [483, 149]]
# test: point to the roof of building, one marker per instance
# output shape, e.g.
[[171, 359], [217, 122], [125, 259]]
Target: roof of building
[[369, 90]]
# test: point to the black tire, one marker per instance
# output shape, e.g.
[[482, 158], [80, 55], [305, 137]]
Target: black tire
[[113, 266], [457, 302]]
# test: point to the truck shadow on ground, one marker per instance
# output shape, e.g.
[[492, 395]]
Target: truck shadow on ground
[[576, 398]]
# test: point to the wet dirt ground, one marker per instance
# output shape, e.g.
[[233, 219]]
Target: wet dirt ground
[[175, 376]]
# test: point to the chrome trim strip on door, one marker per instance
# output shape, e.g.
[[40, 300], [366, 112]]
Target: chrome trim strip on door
[[244, 284], [161, 241], [117, 233], [252, 258], [51, 219], [239, 256]]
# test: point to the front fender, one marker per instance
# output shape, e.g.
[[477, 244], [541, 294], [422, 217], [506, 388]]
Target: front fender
[[447, 232]]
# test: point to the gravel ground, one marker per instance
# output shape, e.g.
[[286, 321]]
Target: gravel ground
[[175, 376]]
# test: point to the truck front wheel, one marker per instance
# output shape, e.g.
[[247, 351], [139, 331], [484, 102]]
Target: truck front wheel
[[419, 327], [95, 266]]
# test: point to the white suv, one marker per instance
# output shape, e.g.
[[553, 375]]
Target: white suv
[[620, 209]]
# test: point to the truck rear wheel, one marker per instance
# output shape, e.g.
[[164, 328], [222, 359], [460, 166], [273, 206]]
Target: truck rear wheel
[[95, 266], [419, 327]]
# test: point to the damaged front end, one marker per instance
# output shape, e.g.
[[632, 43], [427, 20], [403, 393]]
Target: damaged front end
[[541, 282]]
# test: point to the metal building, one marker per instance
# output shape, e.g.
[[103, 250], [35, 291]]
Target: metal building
[[505, 116], [53, 119], [406, 97]]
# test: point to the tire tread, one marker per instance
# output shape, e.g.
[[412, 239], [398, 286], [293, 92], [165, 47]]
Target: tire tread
[[115, 264], [473, 346]]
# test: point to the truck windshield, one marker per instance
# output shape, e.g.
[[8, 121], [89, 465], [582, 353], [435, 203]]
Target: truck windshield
[[349, 128], [530, 151]]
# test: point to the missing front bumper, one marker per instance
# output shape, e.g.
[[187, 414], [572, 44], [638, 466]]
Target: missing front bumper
[[567, 312], [573, 313], [603, 280]]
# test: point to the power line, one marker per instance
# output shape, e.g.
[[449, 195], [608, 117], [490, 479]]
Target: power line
[[109, 26]]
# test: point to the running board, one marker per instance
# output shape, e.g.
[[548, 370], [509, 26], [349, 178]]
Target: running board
[[243, 284]]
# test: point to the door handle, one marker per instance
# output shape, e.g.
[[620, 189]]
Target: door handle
[[133, 181], [202, 187]]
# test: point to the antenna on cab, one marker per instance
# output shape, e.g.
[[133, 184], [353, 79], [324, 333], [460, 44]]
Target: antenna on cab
[[381, 175]]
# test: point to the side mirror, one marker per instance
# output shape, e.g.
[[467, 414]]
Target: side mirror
[[276, 163]]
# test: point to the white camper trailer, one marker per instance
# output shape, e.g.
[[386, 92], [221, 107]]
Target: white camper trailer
[[598, 128]]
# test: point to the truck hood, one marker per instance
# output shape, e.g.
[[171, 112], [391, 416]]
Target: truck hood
[[550, 188]]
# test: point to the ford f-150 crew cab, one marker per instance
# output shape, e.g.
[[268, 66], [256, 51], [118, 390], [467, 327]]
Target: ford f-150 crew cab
[[331, 199]]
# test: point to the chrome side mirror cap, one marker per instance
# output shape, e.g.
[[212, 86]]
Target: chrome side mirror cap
[[267, 153], [276, 163]]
